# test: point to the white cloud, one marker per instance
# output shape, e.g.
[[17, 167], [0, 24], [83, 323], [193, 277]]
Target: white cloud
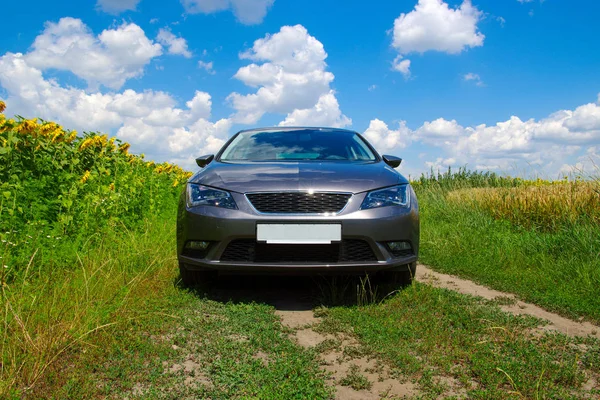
[[176, 45], [475, 78], [402, 66], [109, 58], [434, 26], [441, 164], [385, 139], [248, 12], [438, 130], [512, 144], [572, 169], [325, 113], [146, 119], [291, 80], [207, 66], [116, 6], [212, 135], [372, 88]]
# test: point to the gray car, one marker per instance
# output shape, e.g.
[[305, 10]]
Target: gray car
[[298, 200]]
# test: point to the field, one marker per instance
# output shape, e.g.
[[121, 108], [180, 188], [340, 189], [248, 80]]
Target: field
[[538, 239], [93, 307]]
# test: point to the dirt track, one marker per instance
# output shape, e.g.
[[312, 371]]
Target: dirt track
[[339, 364], [556, 322], [298, 316]]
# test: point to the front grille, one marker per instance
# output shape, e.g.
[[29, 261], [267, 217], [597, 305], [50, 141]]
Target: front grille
[[249, 250], [298, 202]]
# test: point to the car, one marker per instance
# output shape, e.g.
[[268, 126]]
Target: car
[[295, 201]]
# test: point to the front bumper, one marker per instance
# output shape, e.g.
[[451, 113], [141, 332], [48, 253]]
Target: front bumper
[[223, 226]]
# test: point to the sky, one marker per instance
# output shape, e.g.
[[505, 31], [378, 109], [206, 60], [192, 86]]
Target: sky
[[510, 86]]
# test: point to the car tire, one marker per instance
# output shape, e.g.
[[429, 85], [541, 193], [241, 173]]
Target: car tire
[[399, 278], [190, 278]]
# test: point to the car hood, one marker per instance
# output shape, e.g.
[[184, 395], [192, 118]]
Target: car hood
[[352, 177]]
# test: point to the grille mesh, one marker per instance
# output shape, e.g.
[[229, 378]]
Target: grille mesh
[[298, 202], [248, 250]]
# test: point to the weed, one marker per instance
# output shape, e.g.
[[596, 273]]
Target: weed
[[365, 292], [355, 379]]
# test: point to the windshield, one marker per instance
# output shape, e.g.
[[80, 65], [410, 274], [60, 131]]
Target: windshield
[[301, 144]]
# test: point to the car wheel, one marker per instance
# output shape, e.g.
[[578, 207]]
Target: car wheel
[[399, 278], [191, 278]]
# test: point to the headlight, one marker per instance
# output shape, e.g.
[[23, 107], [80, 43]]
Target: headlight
[[392, 196], [198, 195]]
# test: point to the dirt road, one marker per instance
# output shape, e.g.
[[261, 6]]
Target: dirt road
[[336, 359], [515, 306]]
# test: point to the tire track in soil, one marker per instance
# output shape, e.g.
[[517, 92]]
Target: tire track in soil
[[300, 318], [556, 322]]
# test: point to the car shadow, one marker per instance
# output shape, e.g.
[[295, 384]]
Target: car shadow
[[292, 293]]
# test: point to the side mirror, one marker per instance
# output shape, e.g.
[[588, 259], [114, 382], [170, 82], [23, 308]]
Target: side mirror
[[392, 161], [203, 161]]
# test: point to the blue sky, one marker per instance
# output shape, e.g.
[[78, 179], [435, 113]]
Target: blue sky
[[511, 86]]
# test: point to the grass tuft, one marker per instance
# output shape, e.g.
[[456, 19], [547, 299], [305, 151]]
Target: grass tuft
[[355, 379]]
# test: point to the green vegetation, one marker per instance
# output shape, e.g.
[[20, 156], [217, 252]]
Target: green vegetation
[[201, 349], [89, 284], [355, 379], [451, 344], [538, 239], [92, 305], [82, 225]]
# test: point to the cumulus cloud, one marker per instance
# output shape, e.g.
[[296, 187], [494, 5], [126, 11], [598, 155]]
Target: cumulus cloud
[[434, 26], [438, 130], [146, 119], [248, 12], [506, 145], [108, 59], [441, 164], [116, 6], [325, 113], [175, 45], [385, 139], [292, 80]]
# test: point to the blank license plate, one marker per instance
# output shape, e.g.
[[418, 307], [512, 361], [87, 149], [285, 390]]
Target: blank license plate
[[299, 233]]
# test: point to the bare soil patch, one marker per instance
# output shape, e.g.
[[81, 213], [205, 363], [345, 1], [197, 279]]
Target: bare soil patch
[[336, 361]]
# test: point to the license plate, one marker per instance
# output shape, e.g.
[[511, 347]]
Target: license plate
[[299, 233]]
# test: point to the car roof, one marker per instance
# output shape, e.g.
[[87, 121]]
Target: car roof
[[296, 128]]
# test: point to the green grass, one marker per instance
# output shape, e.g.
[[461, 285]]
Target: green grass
[[53, 311], [557, 270], [355, 379], [116, 325], [428, 334], [201, 349]]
